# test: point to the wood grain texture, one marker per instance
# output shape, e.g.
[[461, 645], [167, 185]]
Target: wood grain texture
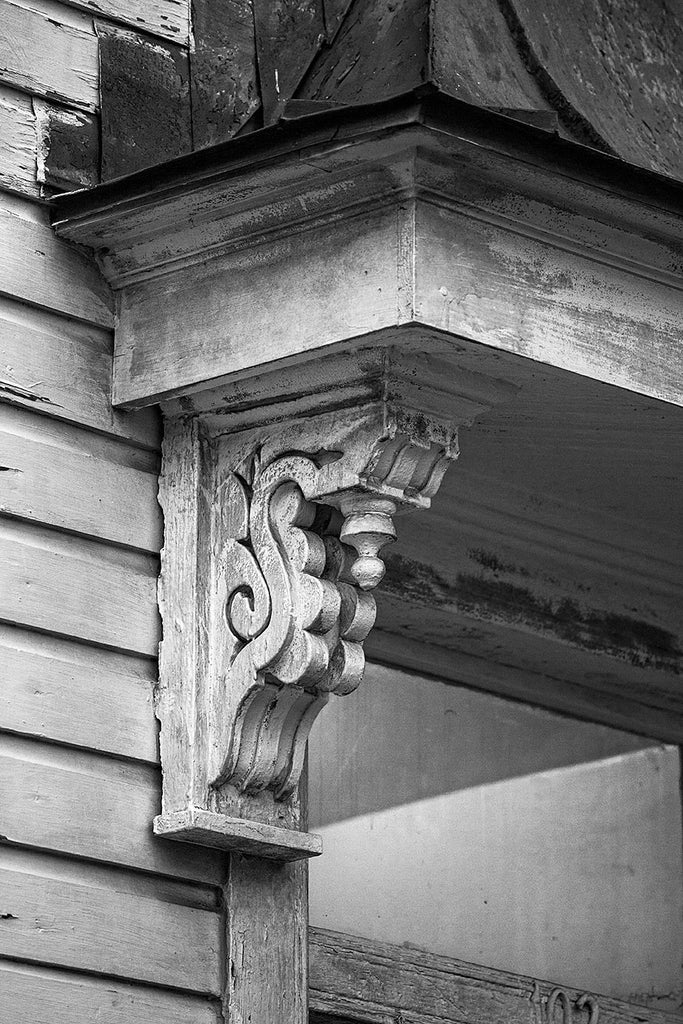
[[92, 807], [224, 74], [17, 144], [354, 979], [61, 476], [167, 19], [267, 937], [41, 995], [38, 268], [47, 49], [145, 101], [61, 368], [68, 147], [73, 916], [78, 588], [292, 27], [47, 693]]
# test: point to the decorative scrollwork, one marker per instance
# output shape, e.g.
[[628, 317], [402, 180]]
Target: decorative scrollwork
[[293, 582], [560, 998]]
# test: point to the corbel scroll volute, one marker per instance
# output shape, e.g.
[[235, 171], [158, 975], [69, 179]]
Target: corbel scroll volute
[[292, 521]]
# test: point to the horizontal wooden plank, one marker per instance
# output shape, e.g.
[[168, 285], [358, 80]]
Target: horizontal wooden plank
[[41, 995], [78, 588], [354, 979], [47, 693], [49, 917], [168, 19], [62, 368], [62, 476], [17, 144], [49, 50], [86, 805], [36, 267]]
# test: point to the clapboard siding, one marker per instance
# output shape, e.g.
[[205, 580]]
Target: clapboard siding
[[36, 267], [87, 806], [79, 919], [47, 49], [17, 143], [61, 368], [40, 995], [47, 692], [58, 475], [79, 589], [168, 19]]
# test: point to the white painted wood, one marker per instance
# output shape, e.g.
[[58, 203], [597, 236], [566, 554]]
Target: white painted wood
[[78, 588], [17, 144], [37, 267], [62, 368], [71, 916], [41, 995], [168, 19], [47, 693], [49, 50], [91, 807], [61, 476], [536, 874]]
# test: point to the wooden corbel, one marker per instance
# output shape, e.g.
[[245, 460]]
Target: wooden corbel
[[274, 537]]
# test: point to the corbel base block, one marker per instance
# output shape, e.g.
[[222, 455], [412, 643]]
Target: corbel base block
[[222, 832]]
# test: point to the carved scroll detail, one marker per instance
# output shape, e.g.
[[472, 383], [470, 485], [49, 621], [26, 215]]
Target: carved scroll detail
[[294, 578], [559, 999]]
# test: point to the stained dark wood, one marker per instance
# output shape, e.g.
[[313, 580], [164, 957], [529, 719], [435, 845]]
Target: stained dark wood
[[224, 75], [145, 100], [288, 35], [68, 148]]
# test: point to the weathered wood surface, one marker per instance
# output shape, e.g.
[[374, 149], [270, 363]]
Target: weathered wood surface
[[615, 71], [72, 479], [145, 101], [17, 143], [68, 147], [100, 921], [62, 368], [223, 69], [354, 979], [165, 18], [92, 807], [47, 693], [47, 49], [292, 27], [267, 942], [41, 995], [38, 268], [78, 588]]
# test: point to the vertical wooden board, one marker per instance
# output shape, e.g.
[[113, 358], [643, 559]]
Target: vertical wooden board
[[289, 33], [380, 49], [47, 49], [62, 476], [267, 930], [36, 267], [165, 18], [145, 101], [62, 368], [68, 153], [92, 807], [77, 588], [224, 76], [46, 692], [53, 920], [17, 144], [41, 995]]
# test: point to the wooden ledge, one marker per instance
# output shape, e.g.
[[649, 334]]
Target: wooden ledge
[[205, 828]]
